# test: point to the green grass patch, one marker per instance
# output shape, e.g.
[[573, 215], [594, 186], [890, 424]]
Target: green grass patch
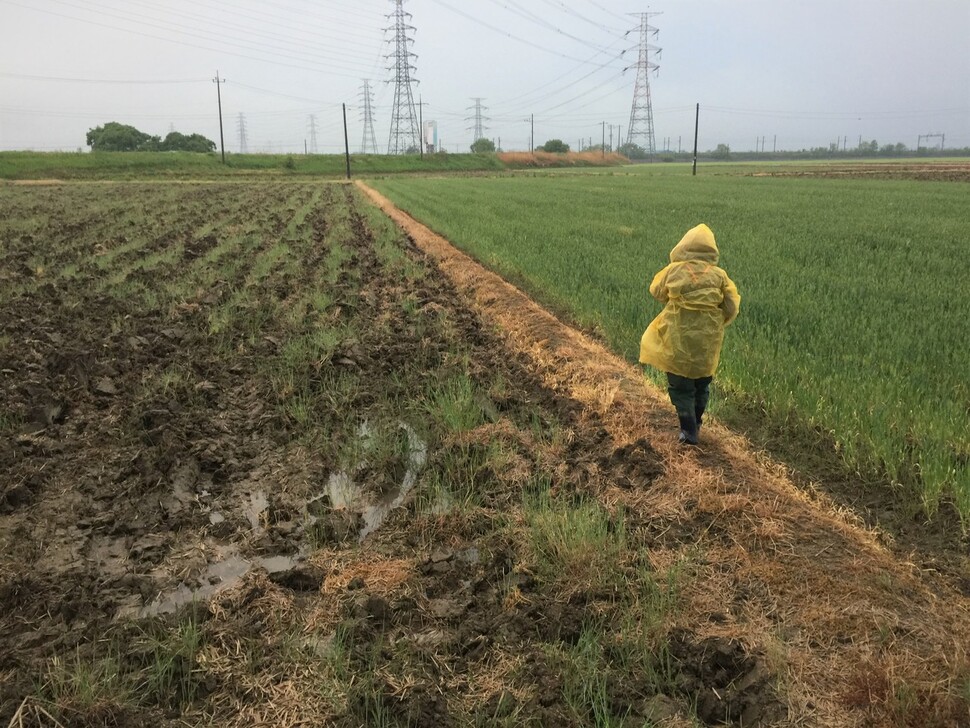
[[851, 314], [186, 165]]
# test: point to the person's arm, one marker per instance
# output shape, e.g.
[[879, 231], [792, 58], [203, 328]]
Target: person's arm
[[658, 289], [732, 300]]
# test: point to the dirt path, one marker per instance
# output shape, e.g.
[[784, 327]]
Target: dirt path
[[858, 636]]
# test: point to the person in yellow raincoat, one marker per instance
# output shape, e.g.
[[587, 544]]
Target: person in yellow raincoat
[[685, 339]]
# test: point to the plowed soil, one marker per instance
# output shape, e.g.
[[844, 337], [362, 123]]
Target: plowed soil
[[247, 485], [931, 171]]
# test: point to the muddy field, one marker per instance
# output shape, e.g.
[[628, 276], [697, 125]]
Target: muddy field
[[926, 171], [265, 464]]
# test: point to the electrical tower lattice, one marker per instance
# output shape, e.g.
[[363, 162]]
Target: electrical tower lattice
[[243, 143], [479, 127], [369, 143], [313, 133], [404, 137], [640, 130]]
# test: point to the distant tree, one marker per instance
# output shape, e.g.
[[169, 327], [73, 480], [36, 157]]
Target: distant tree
[[115, 137], [632, 151], [557, 146], [894, 150], [481, 146], [177, 142], [723, 151]]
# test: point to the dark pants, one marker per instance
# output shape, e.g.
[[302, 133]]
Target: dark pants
[[690, 397]]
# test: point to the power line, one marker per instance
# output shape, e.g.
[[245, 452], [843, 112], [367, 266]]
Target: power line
[[558, 4], [607, 10], [320, 66], [542, 22], [193, 31], [506, 33], [139, 82]]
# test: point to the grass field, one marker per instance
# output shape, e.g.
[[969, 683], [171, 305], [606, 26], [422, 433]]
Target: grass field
[[184, 165], [854, 309]]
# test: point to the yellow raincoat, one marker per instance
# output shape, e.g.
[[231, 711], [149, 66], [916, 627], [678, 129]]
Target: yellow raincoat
[[699, 301]]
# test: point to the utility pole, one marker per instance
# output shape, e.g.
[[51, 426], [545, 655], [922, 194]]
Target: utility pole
[[421, 124], [611, 137], [346, 141], [222, 140], [603, 143], [774, 144], [640, 128], [532, 135], [697, 121], [941, 137], [404, 133]]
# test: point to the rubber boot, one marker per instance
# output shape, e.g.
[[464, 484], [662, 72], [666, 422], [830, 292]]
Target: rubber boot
[[702, 395], [688, 429]]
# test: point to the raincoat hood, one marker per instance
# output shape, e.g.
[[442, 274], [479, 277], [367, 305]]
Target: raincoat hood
[[697, 244]]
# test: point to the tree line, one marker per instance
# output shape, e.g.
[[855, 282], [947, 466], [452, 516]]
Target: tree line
[[115, 137]]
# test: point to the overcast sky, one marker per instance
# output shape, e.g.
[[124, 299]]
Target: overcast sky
[[797, 74]]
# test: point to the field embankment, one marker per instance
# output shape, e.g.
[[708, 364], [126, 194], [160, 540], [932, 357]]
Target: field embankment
[[549, 160], [187, 166]]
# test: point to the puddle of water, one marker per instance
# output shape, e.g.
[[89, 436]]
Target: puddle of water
[[375, 514], [219, 576], [342, 490], [258, 504], [342, 493], [276, 564]]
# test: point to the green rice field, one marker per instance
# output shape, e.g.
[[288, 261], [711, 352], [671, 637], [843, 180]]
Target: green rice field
[[855, 292]]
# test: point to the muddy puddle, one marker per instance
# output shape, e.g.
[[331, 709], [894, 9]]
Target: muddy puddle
[[345, 492], [346, 499], [218, 576]]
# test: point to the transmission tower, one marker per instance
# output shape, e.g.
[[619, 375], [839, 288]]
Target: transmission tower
[[479, 119], [641, 114], [404, 135], [369, 143], [312, 123], [243, 144]]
